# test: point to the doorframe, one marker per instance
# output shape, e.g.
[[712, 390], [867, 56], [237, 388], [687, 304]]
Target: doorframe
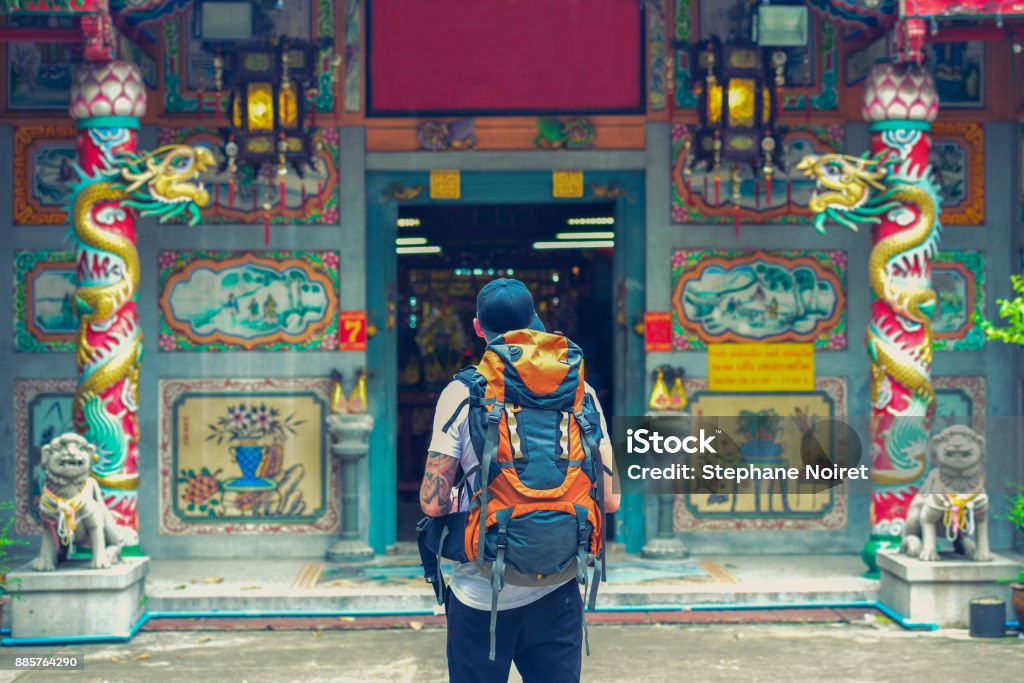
[[492, 187]]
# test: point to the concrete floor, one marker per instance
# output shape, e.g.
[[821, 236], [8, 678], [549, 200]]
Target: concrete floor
[[870, 652]]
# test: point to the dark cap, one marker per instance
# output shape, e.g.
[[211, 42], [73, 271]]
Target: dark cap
[[504, 305]]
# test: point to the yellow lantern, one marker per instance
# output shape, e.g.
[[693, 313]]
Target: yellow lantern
[[269, 83], [736, 105]]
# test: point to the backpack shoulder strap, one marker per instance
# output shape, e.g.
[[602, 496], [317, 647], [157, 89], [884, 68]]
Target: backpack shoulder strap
[[465, 376], [591, 449]]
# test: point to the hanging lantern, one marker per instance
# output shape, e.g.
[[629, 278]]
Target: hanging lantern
[[269, 82], [736, 87]]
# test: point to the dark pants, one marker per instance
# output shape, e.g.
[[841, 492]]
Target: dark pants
[[544, 639]]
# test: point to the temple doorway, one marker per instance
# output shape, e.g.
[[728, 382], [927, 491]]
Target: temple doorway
[[446, 253]]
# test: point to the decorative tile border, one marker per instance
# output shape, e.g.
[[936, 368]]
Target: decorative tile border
[[44, 286], [226, 300], [958, 164], [694, 201], [830, 394], [683, 30], [43, 170], [353, 58], [42, 410], [655, 54], [958, 278], [759, 296], [286, 485]]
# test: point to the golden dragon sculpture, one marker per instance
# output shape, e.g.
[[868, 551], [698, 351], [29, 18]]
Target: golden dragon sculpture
[[901, 201], [162, 184]]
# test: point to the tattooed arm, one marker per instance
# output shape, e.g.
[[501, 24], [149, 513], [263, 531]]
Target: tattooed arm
[[438, 479]]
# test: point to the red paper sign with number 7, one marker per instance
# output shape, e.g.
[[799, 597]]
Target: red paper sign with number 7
[[352, 331]]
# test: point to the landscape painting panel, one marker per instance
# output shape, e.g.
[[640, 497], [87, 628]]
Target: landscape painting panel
[[958, 278], [736, 296], [215, 301], [44, 289], [42, 409]]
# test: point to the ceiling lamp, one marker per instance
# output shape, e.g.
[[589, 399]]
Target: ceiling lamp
[[736, 86]]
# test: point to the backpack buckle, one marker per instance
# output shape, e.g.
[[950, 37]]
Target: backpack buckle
[[582, 422]]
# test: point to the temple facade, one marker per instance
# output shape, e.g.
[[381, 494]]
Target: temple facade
[[654, 171]]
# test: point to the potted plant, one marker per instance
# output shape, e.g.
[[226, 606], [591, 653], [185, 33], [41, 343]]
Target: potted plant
[[5, 555], [1016, 516]]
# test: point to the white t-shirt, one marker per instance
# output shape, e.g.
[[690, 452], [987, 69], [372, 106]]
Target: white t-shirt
[[468, 583]]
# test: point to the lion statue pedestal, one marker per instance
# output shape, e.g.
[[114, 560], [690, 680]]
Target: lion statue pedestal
[[923, 585], [939, 593], [106, 591]]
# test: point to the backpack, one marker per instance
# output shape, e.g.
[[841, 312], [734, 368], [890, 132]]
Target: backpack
[[536, 515]]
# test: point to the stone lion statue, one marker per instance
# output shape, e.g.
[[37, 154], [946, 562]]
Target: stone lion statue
[[72, 507], [952, 501]]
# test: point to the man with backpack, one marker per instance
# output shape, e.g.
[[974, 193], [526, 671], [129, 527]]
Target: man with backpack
[[527, 516]]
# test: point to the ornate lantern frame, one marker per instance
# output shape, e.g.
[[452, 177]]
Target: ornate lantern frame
[[270, 84], [737, 106]]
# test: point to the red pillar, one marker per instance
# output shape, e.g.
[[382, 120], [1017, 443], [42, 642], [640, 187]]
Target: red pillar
[[107, 101], [900, 103]]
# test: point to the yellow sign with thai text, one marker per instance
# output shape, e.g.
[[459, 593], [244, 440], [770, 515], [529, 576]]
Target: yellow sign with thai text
[[761, 367]]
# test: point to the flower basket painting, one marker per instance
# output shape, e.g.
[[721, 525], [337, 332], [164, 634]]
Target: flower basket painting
[[245, 456], [254, 432], [769, 430]]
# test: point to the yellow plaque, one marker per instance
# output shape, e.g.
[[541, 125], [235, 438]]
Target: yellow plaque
[[761, 367], [567, 184], [445, 184]]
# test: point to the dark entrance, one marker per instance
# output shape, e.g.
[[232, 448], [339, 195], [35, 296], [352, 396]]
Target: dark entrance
[[446, 253]]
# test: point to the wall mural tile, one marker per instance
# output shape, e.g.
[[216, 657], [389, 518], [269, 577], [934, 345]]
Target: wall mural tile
[[43, 173], [684, 34], [959, 70], [960, 399], [246, 457], [312, 199], [958, 278], [38, 75], [744, 296], [42, 410], [266, 301], [353, 59], [655, 54], [958, 162], [800, 505], [44, 289], [694, 198], [188, 69]]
